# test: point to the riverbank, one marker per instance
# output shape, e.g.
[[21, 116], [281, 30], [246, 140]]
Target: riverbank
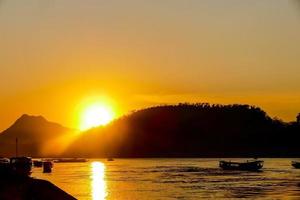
[[23, 188]]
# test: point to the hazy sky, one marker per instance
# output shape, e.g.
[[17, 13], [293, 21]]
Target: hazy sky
[[56, 53]]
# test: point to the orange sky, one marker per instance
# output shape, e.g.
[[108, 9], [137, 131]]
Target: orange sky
[[56, 53]]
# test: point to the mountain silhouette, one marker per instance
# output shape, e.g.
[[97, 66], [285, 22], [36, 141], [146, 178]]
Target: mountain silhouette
[[192, 130], [36, 137]]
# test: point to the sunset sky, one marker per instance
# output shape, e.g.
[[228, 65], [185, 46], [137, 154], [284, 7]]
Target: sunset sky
[[55, 55]]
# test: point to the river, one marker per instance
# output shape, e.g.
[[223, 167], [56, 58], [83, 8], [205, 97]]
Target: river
[[142, 179]]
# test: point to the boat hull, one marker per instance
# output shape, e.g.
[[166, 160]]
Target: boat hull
[[296, 164], [70, 160], [243, 166], [37, 163]]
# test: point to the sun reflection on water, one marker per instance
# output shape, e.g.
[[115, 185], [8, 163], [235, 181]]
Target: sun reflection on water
[[98, 181]]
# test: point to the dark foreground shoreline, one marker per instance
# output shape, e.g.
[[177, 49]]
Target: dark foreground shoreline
[[27, 188]]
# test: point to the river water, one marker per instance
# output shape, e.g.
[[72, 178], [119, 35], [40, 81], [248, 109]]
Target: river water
[[167, 179]]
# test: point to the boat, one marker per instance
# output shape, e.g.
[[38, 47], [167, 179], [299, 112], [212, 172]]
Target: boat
[[110, 159], [47, 166], [4, 165], [70, 160], [37, 163], [4, 161], [21, 166], [296, 164], [249, 165]]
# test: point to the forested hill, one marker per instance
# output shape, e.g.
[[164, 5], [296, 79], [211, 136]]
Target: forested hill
[[192, 130]]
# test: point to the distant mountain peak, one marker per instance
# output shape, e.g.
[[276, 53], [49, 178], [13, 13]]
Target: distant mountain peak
[[36, 135], [25, 118], [32, 123]]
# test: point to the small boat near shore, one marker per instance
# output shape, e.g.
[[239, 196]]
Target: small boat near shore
[[110, 159], [296, 164], [249, 165], [4, 165], [37, 163], [4, 161], [70, 160], [21, 166], [47, 166]]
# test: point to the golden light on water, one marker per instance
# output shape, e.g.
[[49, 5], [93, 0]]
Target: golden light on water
[[99, 188]]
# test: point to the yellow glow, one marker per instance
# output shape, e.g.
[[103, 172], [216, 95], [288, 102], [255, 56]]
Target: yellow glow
[[95, 114], [98, 181]]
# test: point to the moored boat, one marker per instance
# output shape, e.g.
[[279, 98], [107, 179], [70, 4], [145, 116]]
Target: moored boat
[[47, 166], [296, 164], [37, 163], [249, 165], [4, 166], [110, 159], [21, 166], [70, 160], [4, 161]]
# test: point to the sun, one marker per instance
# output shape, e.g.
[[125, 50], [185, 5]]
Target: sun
[[94, 115]]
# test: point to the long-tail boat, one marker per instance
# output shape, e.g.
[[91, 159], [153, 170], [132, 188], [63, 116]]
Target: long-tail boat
[[249, 165]]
